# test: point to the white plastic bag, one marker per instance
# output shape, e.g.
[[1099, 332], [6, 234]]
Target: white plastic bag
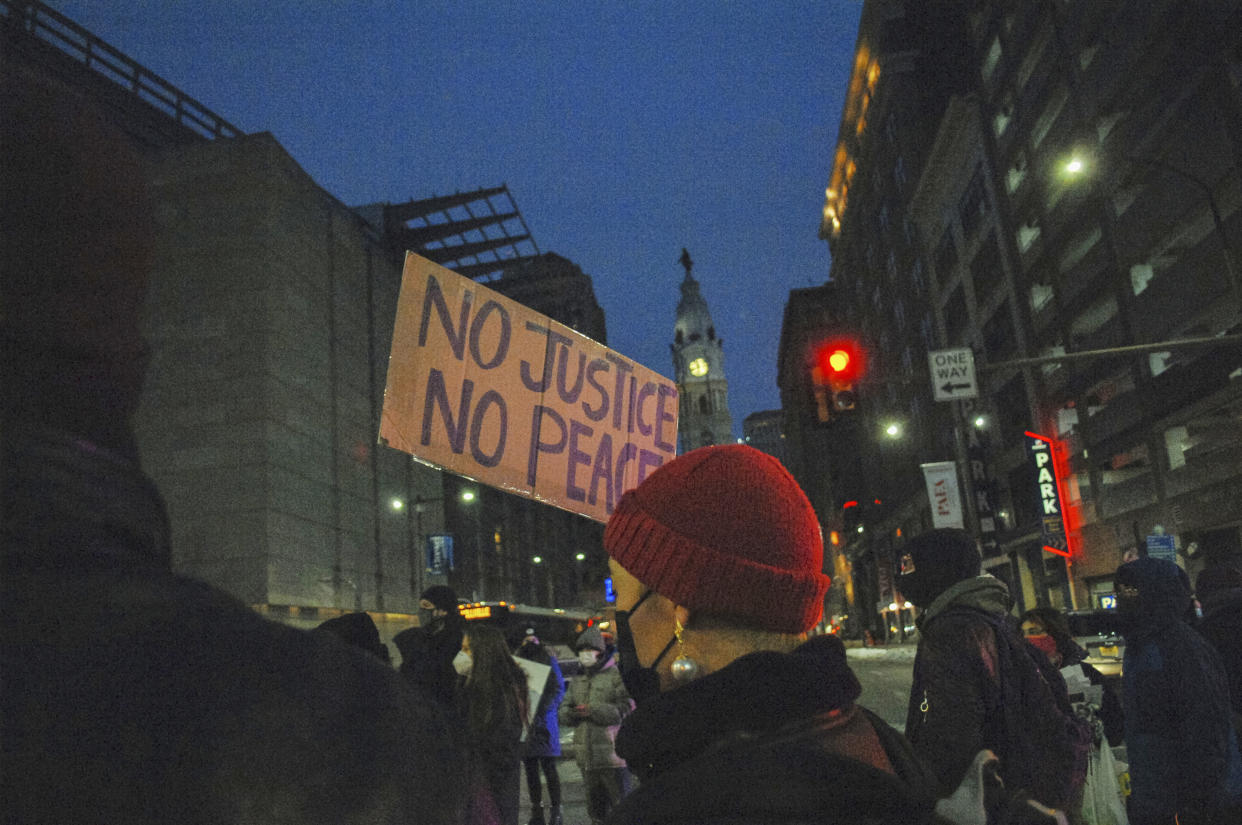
[[1102, 803]]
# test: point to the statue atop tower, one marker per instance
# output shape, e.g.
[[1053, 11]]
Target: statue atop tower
[[698, 369]]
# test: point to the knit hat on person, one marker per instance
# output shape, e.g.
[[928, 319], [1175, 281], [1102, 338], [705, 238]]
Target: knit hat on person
[[442, 596], [727, 531], [591, 639], [942, 558]]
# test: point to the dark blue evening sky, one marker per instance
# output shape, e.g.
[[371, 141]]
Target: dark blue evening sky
[[625, 131]]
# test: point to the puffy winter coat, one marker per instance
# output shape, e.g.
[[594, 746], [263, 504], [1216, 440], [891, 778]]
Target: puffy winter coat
[[601, 690]]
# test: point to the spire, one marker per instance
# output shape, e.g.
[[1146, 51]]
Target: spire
[[685, 261]]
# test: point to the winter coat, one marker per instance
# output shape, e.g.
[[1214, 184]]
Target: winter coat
[[544, 739], [1222, 627], [601, 690], [771, 738], [1180, 741], [962, 677], [135, 695]]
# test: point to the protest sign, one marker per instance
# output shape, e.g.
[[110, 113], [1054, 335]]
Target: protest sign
[[487, 388]]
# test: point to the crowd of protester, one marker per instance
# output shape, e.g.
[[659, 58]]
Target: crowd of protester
[[132, 694]]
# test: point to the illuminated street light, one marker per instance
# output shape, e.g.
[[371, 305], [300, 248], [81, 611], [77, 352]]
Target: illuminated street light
[[581, 557], [398, 504], [537, 559], [980, 422], [1074, 165], [467, 495], [893, 430]]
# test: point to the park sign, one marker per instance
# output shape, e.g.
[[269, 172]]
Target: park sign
[[487, 388]]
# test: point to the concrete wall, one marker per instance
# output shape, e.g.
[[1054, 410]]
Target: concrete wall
[[269, 316]]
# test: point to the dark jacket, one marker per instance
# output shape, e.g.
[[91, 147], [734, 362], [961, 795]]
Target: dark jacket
[[775, 738], [134, 695], [1222, 627], [1180, 742], [971, 691], [544, 739]]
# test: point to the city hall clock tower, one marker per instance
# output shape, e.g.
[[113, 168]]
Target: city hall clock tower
[[698, 368]]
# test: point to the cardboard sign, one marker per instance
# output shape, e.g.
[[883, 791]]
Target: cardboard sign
[[492, 390]]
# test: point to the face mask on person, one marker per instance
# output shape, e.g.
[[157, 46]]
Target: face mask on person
[[1045, 643], [462, 663], [642, 683], [588, 657]]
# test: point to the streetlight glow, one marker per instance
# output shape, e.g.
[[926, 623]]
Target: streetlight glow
[[398, 504], [581, 557], [538, 559], [980, 422], [1074, 166], [467, 495]]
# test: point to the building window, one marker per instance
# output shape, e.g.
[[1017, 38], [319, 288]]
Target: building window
[[1041, 296], [973, 205], [1140, 277], [705, 404], [1078, 248], [956, 316], [946, 257], [992, 59], [986, 270], [1051, 111], [1016, 173], [998, 333]]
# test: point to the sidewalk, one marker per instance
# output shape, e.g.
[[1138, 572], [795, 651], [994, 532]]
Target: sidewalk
[[573, 795], [893, 652]]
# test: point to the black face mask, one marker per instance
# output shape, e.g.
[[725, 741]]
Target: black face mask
[[642, 683]]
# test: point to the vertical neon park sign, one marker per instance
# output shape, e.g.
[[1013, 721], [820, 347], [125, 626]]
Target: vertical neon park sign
[[1049, 470]]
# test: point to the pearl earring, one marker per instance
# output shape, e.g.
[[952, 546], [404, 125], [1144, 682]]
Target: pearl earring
[[684, 669]]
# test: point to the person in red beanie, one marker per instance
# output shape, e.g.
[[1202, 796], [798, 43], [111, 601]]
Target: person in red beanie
[[717, 560]]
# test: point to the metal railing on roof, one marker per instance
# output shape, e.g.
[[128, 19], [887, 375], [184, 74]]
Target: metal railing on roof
[[52, 27], [478, 234]]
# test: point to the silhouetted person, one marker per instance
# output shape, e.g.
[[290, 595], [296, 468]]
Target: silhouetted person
[[1180, 741], [359, 630], [1219, 589], [130, 694]]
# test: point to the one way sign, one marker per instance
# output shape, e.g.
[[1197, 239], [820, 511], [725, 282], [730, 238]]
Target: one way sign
[[953, 374]]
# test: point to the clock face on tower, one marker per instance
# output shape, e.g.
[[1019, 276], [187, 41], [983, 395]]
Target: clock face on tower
[[698, 367]]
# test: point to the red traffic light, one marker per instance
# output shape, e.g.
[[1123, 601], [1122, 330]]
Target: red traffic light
[[841, 360]]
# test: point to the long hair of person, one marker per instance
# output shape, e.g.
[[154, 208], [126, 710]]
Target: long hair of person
[[495, 690]]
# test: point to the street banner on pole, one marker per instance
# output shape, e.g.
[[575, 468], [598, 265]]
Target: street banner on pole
[[946, 501], [487, 388]]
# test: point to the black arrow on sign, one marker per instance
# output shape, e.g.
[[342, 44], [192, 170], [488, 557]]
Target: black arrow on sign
[[950, 387]]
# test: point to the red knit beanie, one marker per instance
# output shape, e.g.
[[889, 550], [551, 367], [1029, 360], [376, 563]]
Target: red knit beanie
[[725, 530]]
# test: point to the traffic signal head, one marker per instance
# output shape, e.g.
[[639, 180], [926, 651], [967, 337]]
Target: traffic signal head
[[837, 365], [841, 360]]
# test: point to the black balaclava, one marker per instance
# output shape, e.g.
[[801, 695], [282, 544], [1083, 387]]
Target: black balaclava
[[1163, 594], [942, 558]]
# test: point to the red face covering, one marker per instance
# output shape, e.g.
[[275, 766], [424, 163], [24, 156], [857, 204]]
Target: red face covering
[[1045, 643]]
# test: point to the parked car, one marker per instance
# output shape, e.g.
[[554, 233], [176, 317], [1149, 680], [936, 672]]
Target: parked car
[[1099, 631]]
